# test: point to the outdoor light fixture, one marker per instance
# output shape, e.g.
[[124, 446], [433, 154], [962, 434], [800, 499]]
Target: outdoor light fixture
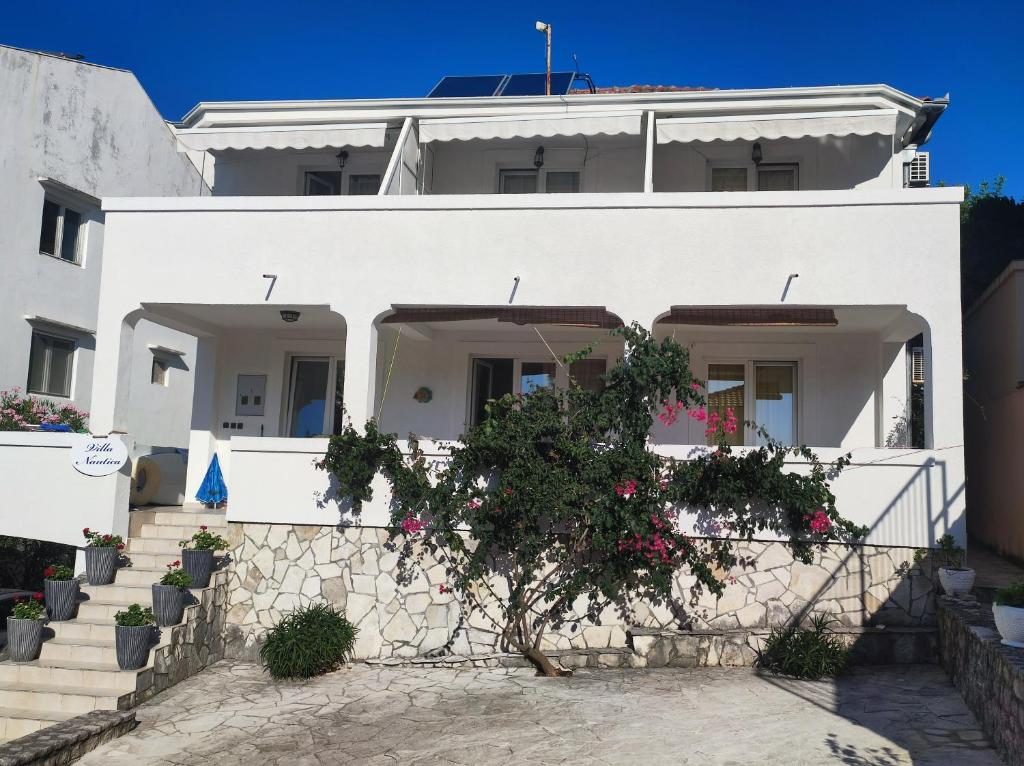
[[756, 155], [342, 156], [538, 158], [289, 316]]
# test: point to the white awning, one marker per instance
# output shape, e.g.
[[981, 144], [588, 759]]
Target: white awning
[[535, 126], [757, 127], [283, 137]]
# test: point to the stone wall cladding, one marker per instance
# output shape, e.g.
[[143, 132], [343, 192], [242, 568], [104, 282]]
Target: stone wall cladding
[[198, 642], [989, 675], [67, 741], [279, 567]]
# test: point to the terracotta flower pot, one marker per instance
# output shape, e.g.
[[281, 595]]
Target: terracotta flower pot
[[24, 639], [100, 565], [168, 604], [199, 564], [61, 597], [1010, 623], [132, 645], [956, 582]]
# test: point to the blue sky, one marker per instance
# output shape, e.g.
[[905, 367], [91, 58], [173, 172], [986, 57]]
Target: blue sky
[[185, 52]]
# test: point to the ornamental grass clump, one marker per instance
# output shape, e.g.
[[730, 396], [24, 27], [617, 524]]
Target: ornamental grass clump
[[811, 653], [557, 495], [310, 641]]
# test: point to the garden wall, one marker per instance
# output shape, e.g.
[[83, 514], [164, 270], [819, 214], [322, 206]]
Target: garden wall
[[278, 567]]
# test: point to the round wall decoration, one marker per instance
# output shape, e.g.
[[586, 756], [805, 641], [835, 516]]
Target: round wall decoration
[[99, 455], [423, 395]]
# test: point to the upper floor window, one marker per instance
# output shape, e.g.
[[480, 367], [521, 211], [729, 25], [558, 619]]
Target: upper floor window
[[61, 232], [492, 378], [328, 182], [763, 177], [364, 183], [766, 390], [50, 365], [538, 181]]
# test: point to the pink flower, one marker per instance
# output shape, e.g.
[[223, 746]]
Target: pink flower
[[474, 504], [626, 489], [695, 386], [821, 523], [699, 415], [411, 525]]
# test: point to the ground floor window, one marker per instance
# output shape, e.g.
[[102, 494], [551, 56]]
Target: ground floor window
[[315, 396], [493, 377], [50, 364], [764, 392]]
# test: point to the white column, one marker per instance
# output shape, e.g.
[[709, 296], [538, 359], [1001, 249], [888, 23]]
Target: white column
[[112, 371], [201, 442], [944, 382], [893, 402], [649, 156], [360, 370]]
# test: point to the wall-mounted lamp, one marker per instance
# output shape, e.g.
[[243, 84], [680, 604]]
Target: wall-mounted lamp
[[290, 316], [538, 157], [756, 155], [342, 157]]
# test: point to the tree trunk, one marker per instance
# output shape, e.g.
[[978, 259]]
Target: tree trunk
[[544, 666]]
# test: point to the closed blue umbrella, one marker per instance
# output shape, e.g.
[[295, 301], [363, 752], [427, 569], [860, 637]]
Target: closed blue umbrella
[[213, 490]]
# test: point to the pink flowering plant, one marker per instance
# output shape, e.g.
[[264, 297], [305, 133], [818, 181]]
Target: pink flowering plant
[[558, 494], [20, 412]]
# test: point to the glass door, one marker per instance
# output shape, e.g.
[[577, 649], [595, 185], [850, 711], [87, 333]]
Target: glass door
[[310, 392]]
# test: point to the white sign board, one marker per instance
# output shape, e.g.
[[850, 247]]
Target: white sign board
[[99, 456]]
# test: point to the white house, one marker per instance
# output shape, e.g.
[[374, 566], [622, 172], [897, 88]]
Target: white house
[[72, 132], [406, 259]]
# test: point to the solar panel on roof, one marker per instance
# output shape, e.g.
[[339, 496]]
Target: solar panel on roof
[[534, 84], [466, 87]]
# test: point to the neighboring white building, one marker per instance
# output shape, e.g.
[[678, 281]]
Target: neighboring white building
[[406, 259], [72, 132]]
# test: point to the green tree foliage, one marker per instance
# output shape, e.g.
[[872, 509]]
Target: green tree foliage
[[557, 496], [991, 236]]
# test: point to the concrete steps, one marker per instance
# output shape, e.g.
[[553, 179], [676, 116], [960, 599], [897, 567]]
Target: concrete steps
[[77, 668]]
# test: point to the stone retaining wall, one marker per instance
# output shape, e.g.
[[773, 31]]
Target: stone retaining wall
[[989, 675], [279, 567], [67, 741]]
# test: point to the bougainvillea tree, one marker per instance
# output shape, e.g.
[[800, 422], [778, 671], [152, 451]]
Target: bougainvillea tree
[[556, 497]]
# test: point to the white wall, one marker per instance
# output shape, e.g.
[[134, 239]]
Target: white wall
[[281, 173], [45, 498], [160, 414], [93, 129]]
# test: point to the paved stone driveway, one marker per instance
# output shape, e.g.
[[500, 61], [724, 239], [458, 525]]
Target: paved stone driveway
[[232, 714]]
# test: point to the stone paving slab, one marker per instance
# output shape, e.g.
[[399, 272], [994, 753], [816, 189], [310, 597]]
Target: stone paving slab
[[232, 713]]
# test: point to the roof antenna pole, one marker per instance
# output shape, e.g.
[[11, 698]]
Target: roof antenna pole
[[546, 29]]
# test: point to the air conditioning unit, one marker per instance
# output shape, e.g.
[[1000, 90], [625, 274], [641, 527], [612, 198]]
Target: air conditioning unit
[[917, 170], [917, 365]]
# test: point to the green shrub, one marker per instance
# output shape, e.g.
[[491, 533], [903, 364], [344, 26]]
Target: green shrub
[[135, 616], [811, 652], [310, 641], [1011, 595]]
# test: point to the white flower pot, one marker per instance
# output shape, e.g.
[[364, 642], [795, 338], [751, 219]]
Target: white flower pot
[[1010, 622], [956, 582]]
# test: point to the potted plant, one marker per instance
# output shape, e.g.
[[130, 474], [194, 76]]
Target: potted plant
[[197, 558], [169, 595], [955, 578], [101, 552], [25, 628], [61, 589], [1009, 613], [133, 628]]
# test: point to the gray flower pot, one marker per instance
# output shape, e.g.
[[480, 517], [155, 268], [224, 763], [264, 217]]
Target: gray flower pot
[[100, 564], [199, 564], [132, 644], [24, 639], [168, 604], [61, 596]]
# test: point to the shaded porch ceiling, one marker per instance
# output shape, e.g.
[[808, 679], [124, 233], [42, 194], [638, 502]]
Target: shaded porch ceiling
[[571, 316]]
